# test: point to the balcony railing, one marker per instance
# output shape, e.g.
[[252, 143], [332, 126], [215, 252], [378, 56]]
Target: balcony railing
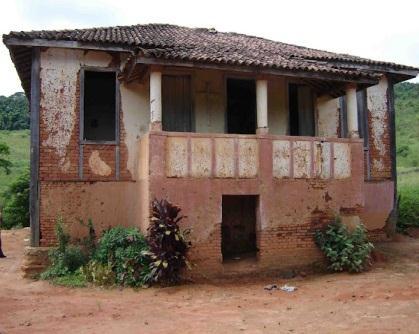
[[204, 155]]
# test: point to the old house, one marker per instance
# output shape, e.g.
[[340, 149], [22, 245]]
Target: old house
[[259, 142]]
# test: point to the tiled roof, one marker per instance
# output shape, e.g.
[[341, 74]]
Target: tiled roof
[[210, 46]]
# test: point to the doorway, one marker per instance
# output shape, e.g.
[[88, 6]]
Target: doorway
[[238, 231], [241, 106]]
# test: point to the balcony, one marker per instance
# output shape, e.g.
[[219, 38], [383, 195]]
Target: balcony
[[229, 156]]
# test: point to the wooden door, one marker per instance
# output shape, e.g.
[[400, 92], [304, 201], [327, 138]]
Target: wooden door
[[176, 103], [238, 226]]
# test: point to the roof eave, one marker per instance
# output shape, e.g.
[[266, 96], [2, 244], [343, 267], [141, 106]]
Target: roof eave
[[258, 70], [12, 41]]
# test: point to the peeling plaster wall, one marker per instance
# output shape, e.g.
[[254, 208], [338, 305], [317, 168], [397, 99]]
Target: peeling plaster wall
[[379, 130], [327, 109], [290, 209], [209, 101], [135, 105], [62, 192]]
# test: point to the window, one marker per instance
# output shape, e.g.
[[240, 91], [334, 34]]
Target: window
[[301, 110], [99, 106]]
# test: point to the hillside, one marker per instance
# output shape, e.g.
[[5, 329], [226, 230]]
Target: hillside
[[407, 124]]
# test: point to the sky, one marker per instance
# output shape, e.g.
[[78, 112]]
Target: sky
[[381, 30]]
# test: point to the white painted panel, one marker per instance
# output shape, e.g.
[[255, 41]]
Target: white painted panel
[[322, 160], [248, 158], [342, 157], [176, 157], [281, 156], [224, 157], [201, 157], [302, 159]]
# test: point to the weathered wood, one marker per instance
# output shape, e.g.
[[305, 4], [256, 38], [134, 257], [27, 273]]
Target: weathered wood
[[177, 103], [34, 147], [377, 68], [65, 44], [255, 71]]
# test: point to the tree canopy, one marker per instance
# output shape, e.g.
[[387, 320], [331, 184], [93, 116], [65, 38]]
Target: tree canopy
[[14, 112]]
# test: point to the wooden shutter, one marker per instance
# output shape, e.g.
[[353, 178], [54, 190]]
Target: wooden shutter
[[176, 103]]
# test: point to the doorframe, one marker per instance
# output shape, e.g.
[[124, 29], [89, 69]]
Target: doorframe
[[258, 222], [236, 76]]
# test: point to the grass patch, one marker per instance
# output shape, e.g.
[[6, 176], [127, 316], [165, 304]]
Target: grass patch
[[408, 188], [74, 280], [18, 142]]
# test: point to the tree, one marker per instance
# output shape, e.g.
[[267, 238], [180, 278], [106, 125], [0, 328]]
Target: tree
[[5, 164], [14, 112]]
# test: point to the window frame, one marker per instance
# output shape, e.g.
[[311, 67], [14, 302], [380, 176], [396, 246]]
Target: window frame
[[83, 69]]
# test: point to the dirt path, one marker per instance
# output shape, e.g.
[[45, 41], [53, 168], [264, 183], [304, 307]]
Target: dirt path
[[384, 300]]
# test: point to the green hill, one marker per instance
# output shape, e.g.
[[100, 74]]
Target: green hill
[[407, 124]]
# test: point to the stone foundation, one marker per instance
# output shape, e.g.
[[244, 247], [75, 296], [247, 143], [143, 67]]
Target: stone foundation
[[35, 261]]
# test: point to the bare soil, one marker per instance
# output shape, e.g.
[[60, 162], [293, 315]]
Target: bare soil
[[383, 300]]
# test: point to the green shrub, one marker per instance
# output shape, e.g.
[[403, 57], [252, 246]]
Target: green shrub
[[408, 207], [124, 250], [16, 203], [345, 250], [98, 273], [65, 259], [167, 243]]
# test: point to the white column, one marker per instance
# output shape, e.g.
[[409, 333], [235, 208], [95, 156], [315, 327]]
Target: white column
[[262, 106], [155, 100], [352, 111]]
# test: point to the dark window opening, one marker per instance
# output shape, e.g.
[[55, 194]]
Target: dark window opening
[[176, 103], [99, 106], [301, 110], [241, 106], [343, 119], [238, 226], [361, 99]]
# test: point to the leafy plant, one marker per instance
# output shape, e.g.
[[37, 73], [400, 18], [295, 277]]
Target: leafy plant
[[124, 250], [89, 242], [16, 204], [167, 243], [98, 273], [65, 259], [408, 207], [345, 250], [5, 164]]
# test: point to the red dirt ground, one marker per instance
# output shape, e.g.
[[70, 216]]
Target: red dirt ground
[[383, 300]]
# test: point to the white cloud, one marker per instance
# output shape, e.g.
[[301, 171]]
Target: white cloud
[[381, 30]]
